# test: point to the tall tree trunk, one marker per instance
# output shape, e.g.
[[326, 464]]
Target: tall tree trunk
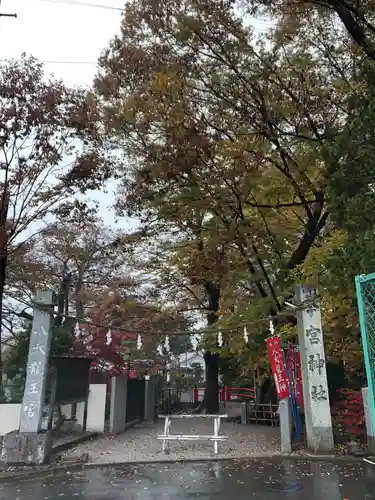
[[351, 18], [63, 296], [211, 393], [78, 296], [210, 401]]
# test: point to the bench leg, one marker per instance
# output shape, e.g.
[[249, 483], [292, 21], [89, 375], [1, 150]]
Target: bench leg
[[167, 426], [216, 433], [218, 425]]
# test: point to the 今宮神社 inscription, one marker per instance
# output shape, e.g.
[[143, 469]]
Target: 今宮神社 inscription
[[314, 373], [318, 393]]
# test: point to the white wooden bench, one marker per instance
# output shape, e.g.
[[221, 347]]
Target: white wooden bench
[[215, 437]]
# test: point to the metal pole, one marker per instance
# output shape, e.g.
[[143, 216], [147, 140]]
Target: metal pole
[[366, 334]]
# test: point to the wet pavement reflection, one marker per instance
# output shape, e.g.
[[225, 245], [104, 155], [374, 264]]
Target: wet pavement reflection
[[240, 480]]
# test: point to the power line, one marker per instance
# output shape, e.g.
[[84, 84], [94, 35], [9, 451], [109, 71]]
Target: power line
[[69, 62], [78, 3]]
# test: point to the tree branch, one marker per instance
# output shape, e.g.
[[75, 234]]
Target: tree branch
[[353, 27], [313, 227]]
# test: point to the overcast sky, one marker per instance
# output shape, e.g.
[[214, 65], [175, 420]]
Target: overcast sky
[[67, 34], [60, 32], [69, 38]]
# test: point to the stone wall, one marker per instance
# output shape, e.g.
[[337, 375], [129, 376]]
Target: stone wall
[[369, 421], [10, 413], [117, 420], [9, 417]]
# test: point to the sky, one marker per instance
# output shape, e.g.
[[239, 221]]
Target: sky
[[68, 38], [63, 32], [60, 33]]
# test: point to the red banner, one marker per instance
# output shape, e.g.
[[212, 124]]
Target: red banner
[[275, 354]]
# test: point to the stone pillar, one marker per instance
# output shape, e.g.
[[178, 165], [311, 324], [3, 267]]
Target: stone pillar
[[31, 446], [244, 413], [285, 425], [80, 415], [369, 426], [96, 408], [117, 415], [314, 373], [37, 363]]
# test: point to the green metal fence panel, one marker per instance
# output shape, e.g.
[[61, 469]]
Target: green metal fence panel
[[365, 290]]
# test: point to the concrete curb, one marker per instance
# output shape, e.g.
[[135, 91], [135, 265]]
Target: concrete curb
[[75, 441], [323, 458], [226, 458], [38, 473], [79, 466]]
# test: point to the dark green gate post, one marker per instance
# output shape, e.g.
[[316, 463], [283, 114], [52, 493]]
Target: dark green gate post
[[365, 290]]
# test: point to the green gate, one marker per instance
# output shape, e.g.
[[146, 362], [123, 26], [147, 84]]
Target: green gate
[[365, 288]]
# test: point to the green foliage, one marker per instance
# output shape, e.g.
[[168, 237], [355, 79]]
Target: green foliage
[[351, 178], [355, 18], [16, 361]]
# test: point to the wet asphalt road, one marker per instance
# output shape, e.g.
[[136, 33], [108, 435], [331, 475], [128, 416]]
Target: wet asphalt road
[[260, 479]]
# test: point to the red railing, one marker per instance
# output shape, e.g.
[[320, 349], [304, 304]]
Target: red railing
[[226, 393], [230, 393]]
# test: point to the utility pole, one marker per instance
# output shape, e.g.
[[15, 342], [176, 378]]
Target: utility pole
[[6, 15], [4, 206]]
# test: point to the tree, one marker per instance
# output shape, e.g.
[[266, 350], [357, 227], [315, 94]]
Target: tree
[[38, 150], [126, 317], [356, 17], [16, 360], [350, 183], [348, 249], [82, 249], [228, 145]]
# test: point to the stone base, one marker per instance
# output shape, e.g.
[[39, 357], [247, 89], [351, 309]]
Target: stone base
[[371, 444], [26, 448], [286, 426], [369, 421], [322, 441]]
